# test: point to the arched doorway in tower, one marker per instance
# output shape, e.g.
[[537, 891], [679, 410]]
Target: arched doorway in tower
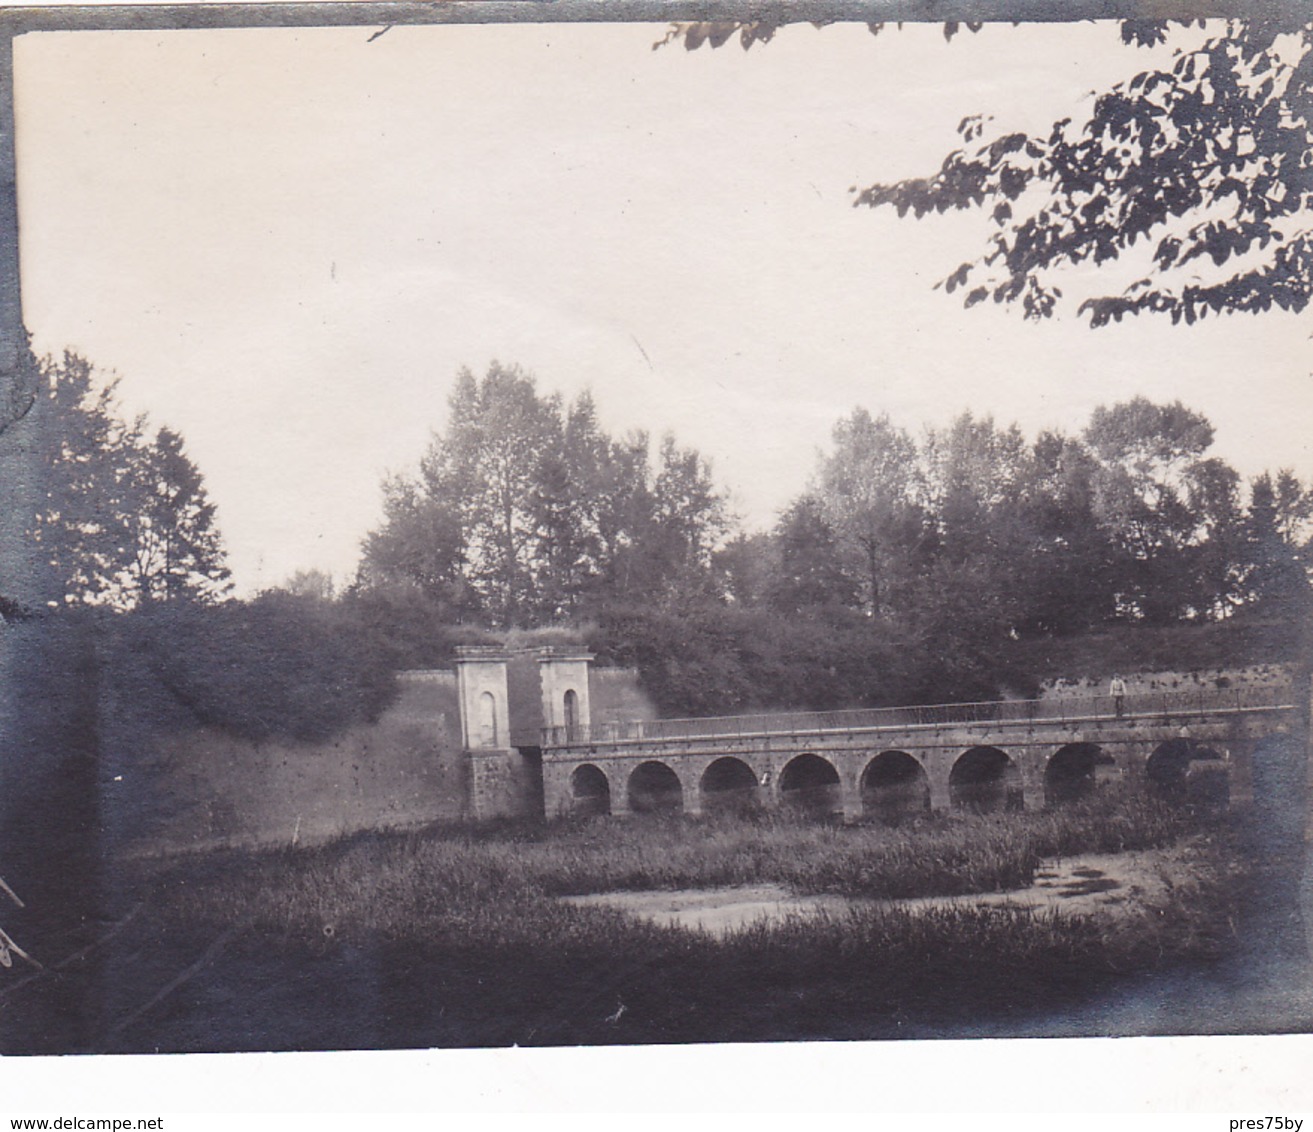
[[590, 792], [809, 784], [1072, 773], [487, 720], [571, 715], [655, 789], [894, 786], [984, 780], [729, 785]]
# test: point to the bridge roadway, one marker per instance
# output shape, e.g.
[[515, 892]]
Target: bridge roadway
[[889, 762]]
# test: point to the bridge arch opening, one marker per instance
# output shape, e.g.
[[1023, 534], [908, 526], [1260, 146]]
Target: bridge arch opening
[[984, 780], [894, 786], [654, 788], [809, 784], [1072, 773], [729, 785], [1186, 772], [590, 792]]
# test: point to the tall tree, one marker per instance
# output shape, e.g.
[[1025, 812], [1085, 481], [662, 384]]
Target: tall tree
[[175, 549], [1277, 544], [1217, 551], [978, 478], [622, 507], [499, 439], [536, 511], [809, 572], [126, 517], [871, 491], [1293, 502], [471, 515], [689, 520], [80, 524], [576, 487], [977, 474], [420, 544], [1147, 454], [1067, 576]]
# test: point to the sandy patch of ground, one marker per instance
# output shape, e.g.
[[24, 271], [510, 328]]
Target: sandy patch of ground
[[715, 910], [1105, 884]]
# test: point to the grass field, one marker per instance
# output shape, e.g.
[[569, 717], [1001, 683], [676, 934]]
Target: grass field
[[456, 936], [413, 884]]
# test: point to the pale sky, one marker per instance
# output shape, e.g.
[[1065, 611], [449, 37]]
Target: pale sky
[[286, 243]]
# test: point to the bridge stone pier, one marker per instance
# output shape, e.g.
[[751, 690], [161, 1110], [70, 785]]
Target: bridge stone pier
[[892, 762]]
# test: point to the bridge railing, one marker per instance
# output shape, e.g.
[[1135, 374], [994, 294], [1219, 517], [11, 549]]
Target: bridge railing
[[1170, 703]]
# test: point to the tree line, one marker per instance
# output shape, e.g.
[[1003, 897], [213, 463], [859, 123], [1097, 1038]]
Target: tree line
[[900, 572], [1131, 520], [525, 512], [123, 517], [903, 571]]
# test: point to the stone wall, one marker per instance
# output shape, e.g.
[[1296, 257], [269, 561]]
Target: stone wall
[[208, 789], [196, 788], [1254, 677], [505, 784], [617, 697]]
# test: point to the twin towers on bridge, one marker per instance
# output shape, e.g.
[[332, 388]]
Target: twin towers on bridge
[[540, 739]]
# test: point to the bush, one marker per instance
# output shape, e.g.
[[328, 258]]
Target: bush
[[278, 666]]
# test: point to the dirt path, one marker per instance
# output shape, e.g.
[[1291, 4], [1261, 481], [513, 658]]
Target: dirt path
[[1105, 884]]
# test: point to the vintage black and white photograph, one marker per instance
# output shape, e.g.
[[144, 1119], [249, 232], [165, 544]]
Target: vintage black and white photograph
[[790, 527]]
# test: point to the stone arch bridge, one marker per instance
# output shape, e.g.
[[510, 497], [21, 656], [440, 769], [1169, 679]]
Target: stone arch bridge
[[887, 762]]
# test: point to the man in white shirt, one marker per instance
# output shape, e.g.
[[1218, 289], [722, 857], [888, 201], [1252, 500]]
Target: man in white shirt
[[1117, 689]]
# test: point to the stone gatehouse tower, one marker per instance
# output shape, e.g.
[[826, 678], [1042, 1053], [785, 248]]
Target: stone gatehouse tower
[[506, 699]]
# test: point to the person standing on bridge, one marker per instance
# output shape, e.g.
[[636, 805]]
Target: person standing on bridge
[[1117, 689]]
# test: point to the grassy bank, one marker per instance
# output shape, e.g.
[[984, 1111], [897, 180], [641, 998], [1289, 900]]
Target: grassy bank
[[414, 885], [456, 938]]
